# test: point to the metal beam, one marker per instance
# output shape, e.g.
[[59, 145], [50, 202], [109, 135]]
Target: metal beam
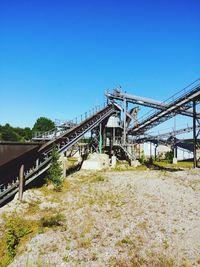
[[147, 102], [184, 101]]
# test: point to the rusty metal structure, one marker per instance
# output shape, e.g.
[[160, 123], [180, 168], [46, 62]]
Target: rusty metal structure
[[121, 137]]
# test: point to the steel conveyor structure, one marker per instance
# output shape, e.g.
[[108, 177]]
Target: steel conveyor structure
[[41, 162], [184, 102], [164, 136], [142, 101]]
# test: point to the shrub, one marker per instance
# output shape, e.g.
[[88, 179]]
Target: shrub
[[169, 156], [55, 171]]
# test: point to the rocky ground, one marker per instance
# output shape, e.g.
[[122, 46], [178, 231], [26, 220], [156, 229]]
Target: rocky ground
[[125, 218]]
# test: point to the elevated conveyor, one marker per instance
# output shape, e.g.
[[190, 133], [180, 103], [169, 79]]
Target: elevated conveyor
[[142, 101], [41, 162], [183, 102]]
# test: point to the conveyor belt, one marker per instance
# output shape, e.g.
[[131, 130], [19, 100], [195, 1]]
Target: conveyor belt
[[63, 143]]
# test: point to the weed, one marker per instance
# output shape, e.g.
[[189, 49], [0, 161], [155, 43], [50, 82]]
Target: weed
[[66, 258]]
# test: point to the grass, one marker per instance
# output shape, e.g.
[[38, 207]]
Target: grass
[[52, 220], [124, 166], [180, 164], [92, 178]]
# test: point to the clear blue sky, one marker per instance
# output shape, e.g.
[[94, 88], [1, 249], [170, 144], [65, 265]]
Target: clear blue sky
[[58, 57]]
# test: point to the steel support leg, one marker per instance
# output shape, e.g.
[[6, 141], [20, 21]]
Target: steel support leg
[[21, 182], [100, 138], [155, 152], [194, 134], [125, 107]]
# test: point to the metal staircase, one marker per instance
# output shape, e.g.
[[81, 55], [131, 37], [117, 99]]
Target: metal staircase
[[63, 143]]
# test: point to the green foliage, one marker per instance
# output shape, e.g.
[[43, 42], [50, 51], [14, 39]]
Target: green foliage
[[66, 258], [43, 124], [15, 230], [142, 159], [55, 171], [24, 133], [54, 220], [8, 133], [169, 156]]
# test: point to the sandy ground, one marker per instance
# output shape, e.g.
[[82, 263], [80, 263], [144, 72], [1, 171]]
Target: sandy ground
[[129, 218]]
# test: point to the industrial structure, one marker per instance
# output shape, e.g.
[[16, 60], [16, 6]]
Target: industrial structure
[[114, 129]]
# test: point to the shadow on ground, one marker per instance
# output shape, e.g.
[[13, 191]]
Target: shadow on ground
[[154, 166]]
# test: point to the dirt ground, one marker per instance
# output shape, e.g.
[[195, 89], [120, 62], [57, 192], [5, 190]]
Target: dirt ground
[[126, 218]]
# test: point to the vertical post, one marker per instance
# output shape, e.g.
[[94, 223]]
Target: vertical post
[[100, 138], [150, 150], [21, 182], [194, 134], [124, 121], [113, 135], [37, 163], [155, 152]]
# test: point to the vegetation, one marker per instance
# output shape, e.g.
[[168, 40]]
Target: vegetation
[[16, 228], [55, 173], [53, 220], [43, 124], [169, 156], [9, 133]]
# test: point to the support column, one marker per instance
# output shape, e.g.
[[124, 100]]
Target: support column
[[175, 161], [155, 152], [194, 134], [100, 138], [150, 149], [21, 182], [113, 135], [37, 163], [125, 121]]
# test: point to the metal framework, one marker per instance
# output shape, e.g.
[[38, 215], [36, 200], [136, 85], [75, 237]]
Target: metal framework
[[162, 136], [185, 101], [180, 103], [117, 95], [196, 130], [63, 143]]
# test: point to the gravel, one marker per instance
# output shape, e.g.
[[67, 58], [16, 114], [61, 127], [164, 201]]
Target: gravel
[[132, 218]]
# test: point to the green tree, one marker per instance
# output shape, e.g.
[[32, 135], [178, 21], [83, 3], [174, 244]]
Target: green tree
[[43, 125], [24, 133], [55, 173], [8, 133], [169, 156]]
